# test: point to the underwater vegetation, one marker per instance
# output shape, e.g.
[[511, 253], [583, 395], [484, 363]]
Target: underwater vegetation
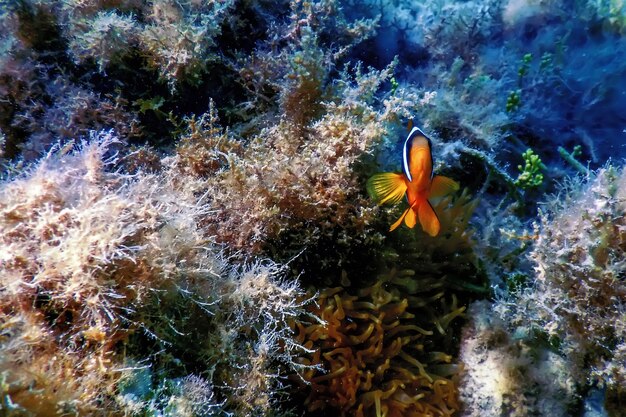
[[554, 342], [470, 62], [306, 185], [576, 299], [96, 263], [506, 373], [186, 230]]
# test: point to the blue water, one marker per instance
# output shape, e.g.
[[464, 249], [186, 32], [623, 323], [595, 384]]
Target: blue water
[[572, 87]]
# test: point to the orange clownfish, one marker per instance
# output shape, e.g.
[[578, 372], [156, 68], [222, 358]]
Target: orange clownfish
[[417, 182]]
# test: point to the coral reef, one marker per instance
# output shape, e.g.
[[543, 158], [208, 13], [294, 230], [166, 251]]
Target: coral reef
[[173, 173]]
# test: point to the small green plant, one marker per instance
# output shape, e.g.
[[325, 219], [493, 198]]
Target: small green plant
[[524, 67], [513, 101], [547, 61], [570, 158], [530, 176], [394, 85], [154, 104]]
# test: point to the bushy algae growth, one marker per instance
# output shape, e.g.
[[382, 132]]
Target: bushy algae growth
[[577, 300], [504, 374], [126, 279], [287, 183], [108, 281]]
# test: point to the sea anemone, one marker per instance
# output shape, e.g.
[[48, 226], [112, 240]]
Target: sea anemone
[[371, 357]]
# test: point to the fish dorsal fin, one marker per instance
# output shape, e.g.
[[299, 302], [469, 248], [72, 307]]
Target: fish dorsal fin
[[409, 125]]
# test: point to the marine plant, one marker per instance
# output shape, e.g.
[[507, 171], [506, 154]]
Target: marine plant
[[577, 297], [294, 67], [530, 174], [513, 100], [126, 282], [505, 373], [524, 66], [71, 66], [70, 276], [40, 102], [570, 158], [108, 276], [303, 181], [473, 58], [176, 38]]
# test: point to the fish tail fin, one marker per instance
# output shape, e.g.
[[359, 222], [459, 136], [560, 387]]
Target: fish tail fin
[[428, 219], [399, 221], [387, 187], [441, 186]]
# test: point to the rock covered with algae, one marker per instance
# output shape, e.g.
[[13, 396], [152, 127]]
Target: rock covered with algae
[[577, 299], [115, 302]]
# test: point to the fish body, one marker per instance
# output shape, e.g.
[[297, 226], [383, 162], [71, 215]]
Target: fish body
[[416, 182]]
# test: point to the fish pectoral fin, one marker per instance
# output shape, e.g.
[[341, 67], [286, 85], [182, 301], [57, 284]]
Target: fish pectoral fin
[[441, 186], [399, 221], [387, 187], [428, 219]]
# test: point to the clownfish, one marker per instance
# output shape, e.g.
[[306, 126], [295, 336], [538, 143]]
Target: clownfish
[[417, 182]]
